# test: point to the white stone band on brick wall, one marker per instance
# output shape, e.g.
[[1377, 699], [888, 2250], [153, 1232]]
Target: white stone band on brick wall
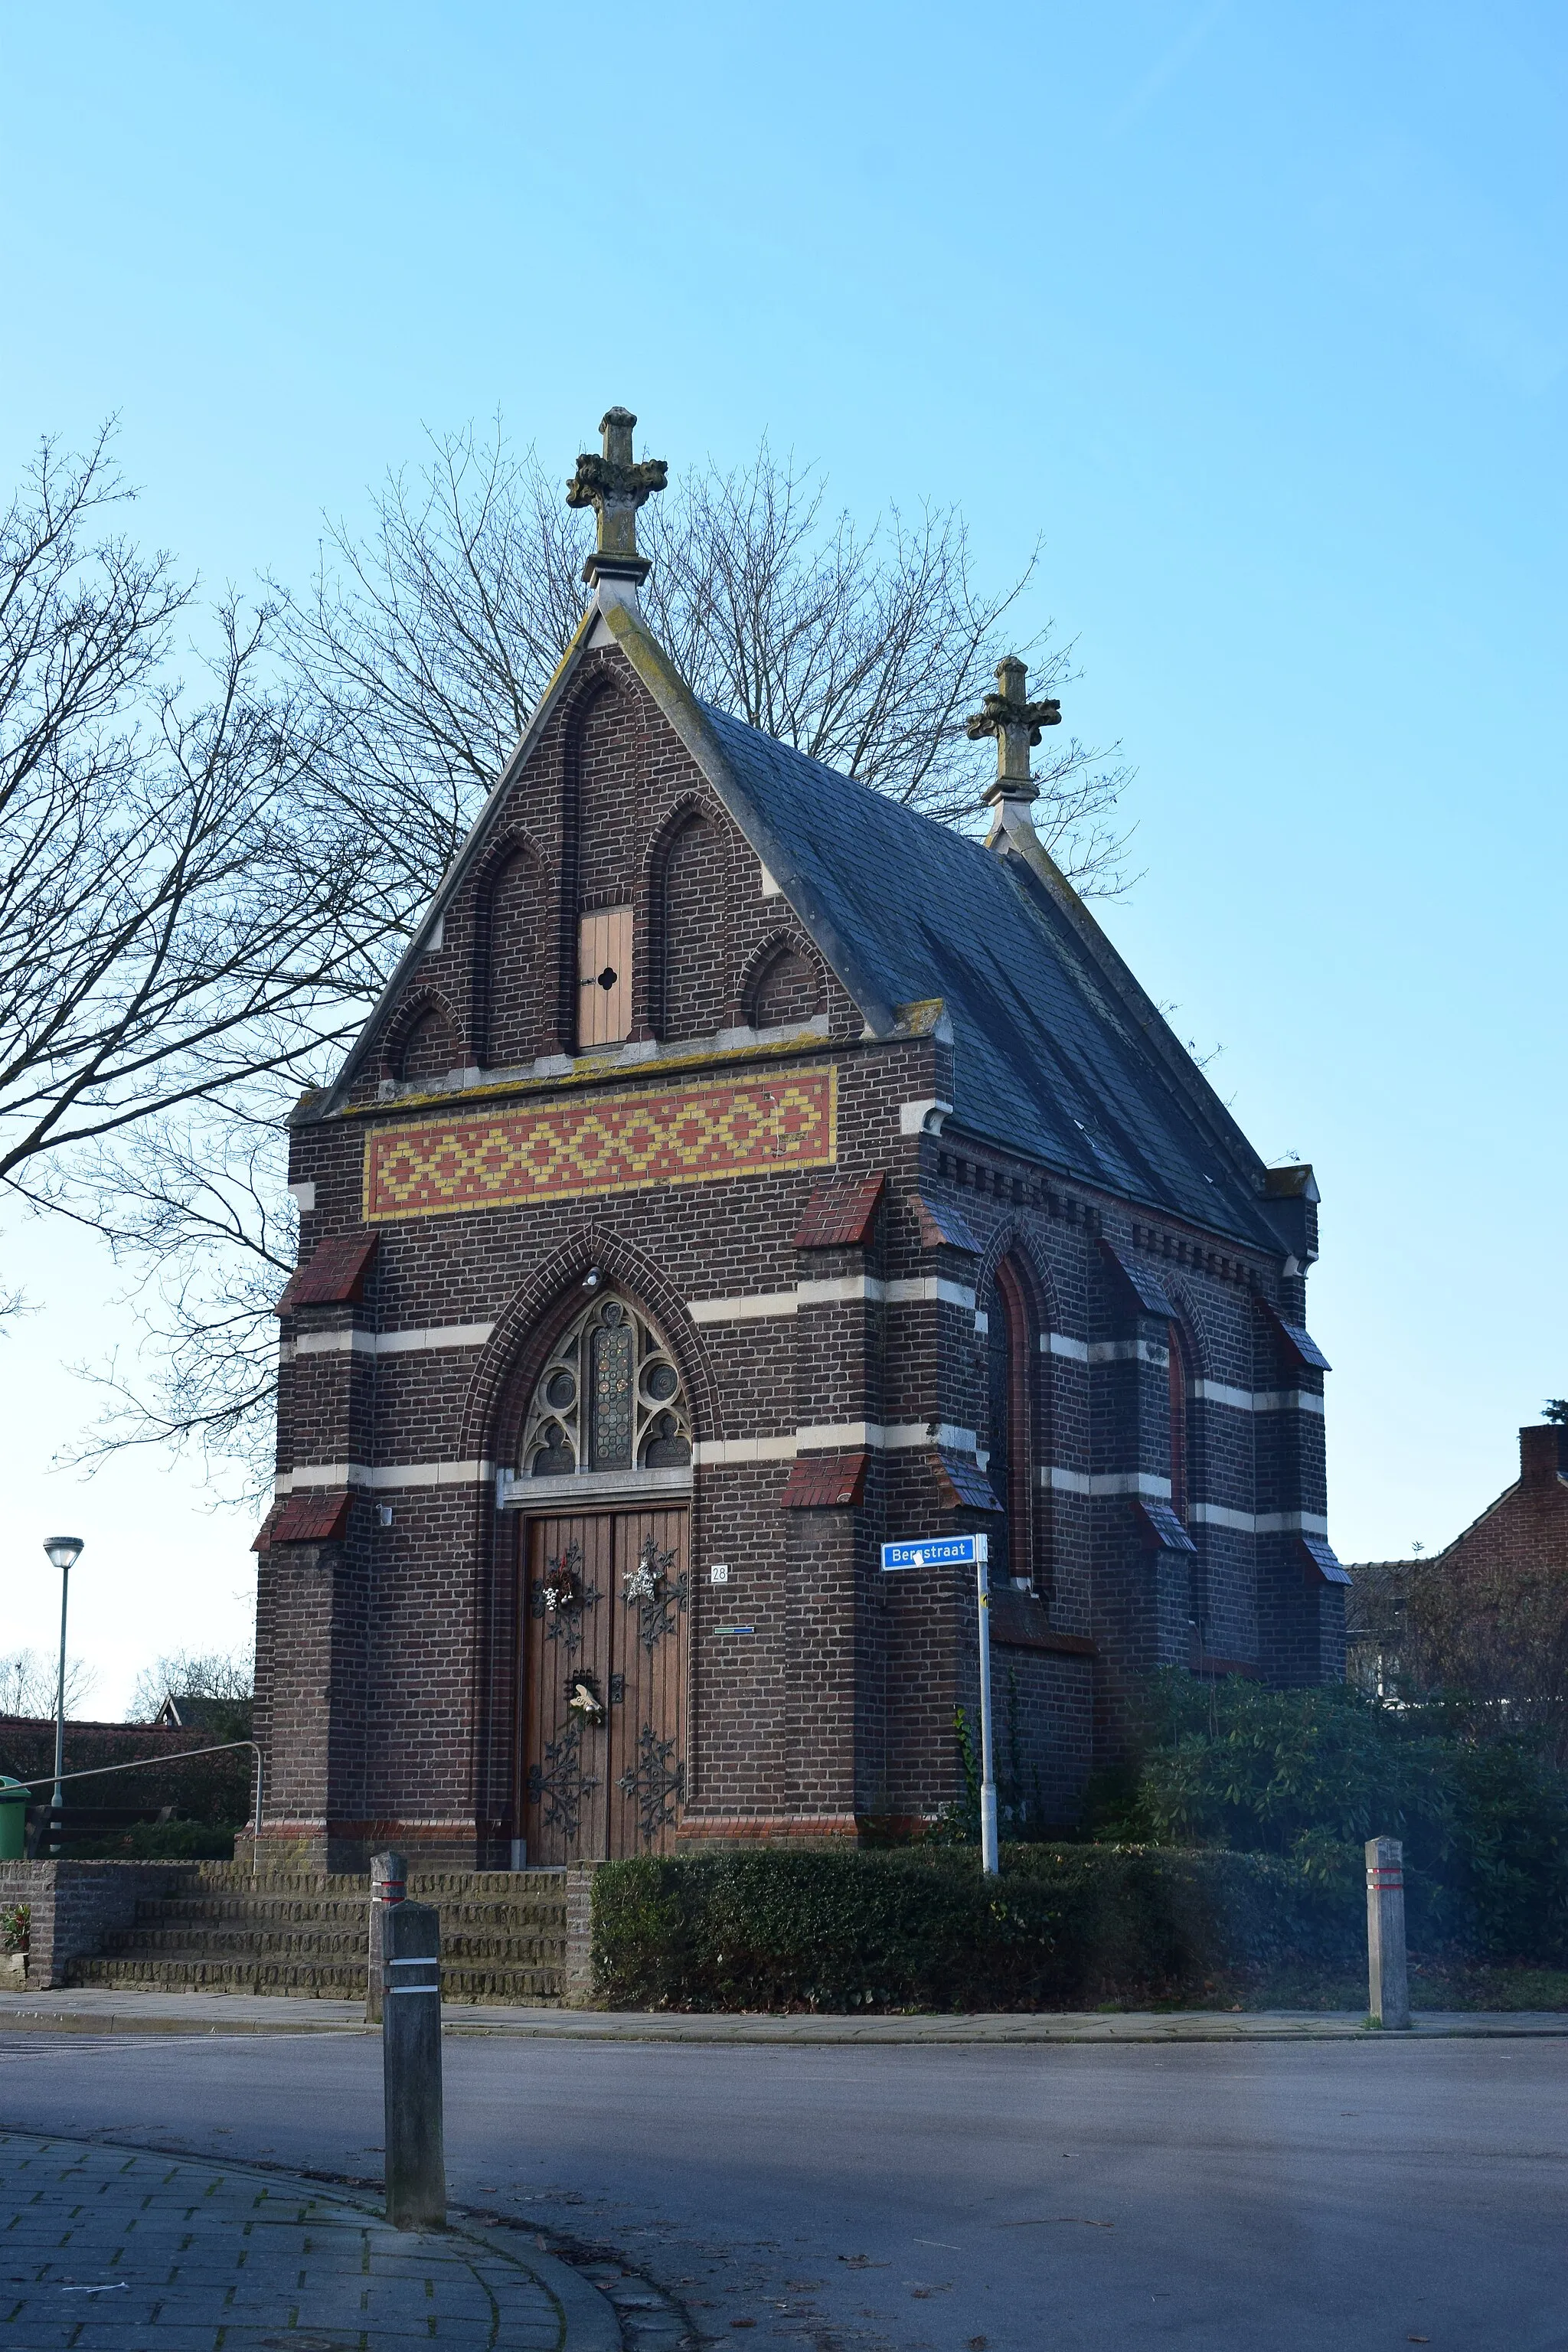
[[1112, 1482], [1212, 1515], [1257, 1400], [387, 1343], [756, 1305], [838, 1436], [1103, 1351], [396, 1474]]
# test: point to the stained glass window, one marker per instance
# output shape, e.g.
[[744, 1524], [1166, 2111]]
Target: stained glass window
[[634, 1416]]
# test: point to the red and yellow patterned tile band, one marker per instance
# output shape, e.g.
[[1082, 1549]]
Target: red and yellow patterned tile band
[[602, 1143]]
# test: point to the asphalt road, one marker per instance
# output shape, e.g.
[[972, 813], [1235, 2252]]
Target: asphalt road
[[1220, 2195]]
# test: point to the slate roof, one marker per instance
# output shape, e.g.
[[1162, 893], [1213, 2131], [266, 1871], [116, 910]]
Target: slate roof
[[1057, 1051], [1045, 1057]]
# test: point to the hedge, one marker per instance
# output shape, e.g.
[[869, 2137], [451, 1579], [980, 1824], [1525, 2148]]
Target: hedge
[[1306, 1776], [215, 1790], [1063, 1926]]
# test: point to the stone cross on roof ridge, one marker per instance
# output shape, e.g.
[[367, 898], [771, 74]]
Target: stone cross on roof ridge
[[615, 487], [1016, 723]]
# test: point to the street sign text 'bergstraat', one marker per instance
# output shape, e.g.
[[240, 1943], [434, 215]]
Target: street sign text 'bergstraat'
[[935, 1552]]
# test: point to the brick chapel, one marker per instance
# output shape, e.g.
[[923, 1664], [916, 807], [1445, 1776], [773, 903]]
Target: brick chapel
[[739, 1170]]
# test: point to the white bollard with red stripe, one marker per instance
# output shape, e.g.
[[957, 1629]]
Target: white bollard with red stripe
[[1388, 1980]]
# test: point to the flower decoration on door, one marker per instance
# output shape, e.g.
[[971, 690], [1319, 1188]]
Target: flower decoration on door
[[563, 1597], [584, 1700], [560, 1587], [649, 1589], [646, 1580]]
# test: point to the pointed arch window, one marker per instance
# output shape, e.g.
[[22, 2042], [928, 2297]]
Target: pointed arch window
[[1010, 1418], [609, 1398], [1181, 1425]]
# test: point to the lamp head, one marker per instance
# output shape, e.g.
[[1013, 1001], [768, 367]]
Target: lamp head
[[64, 1551]]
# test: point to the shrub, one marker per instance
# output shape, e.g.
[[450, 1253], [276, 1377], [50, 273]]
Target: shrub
[[1061, 1926], [159, 1841], [1309, 1775]]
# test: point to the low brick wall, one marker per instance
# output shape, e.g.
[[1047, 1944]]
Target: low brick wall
[[76, 1904]]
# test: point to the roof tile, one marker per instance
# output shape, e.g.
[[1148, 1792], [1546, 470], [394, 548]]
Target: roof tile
[[963, 1484], [305, 1519], [1046, 1058], [334, 1275], [839, 1212], [825, 1482]]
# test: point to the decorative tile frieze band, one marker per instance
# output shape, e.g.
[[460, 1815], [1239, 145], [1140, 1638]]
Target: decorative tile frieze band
[[695, 1134]]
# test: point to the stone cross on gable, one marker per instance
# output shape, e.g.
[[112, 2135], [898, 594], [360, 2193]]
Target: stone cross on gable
[[615, 487], [1016, 723]]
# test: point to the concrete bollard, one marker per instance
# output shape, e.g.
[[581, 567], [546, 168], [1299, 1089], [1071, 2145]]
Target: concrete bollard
[[388, 1884], [1388, 1982], [411, 2066]]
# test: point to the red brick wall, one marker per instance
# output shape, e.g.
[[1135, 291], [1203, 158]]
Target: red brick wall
[[387, 1676]]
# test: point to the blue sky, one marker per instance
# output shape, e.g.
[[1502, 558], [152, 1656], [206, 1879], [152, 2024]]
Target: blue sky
[[1256, 311]]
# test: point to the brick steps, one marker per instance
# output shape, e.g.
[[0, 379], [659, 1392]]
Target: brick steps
[[218, 1930], [545, 1918], [331, 1947], [324, 1980]]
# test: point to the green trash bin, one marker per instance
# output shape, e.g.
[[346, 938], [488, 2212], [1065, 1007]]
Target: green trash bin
[[13, 1820]]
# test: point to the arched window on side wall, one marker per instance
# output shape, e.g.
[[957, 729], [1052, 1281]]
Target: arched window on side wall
[[1181, 1425], [1010, 1466], [429, 1047]]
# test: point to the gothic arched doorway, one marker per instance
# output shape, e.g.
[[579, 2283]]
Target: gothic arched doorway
[[603, 1480]]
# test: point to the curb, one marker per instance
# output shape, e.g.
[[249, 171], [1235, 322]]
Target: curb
[[1068, 2029], [119, 2021], [589, 2323]]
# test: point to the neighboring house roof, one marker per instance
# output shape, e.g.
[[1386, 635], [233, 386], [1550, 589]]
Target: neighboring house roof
[[189, 1711], [1057, 1050]]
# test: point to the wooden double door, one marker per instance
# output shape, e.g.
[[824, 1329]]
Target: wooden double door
[[603, 1679]]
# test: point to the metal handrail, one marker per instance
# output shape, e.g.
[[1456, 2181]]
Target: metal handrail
[[146, 1763]]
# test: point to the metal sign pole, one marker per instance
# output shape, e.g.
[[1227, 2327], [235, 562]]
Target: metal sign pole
[[989, 1862]]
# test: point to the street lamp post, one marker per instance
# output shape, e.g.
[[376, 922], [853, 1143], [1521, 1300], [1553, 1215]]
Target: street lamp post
[[63, 1551]]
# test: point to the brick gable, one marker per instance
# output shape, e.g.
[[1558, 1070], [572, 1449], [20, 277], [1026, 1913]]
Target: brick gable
[[770, 1170]]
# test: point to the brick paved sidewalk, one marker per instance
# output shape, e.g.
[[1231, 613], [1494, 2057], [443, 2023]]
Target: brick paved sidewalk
[[112, 2250]]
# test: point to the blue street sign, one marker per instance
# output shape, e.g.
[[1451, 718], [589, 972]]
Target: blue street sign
[[935, 1551]]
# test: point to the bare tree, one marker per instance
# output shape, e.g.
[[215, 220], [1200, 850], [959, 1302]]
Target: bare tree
[[425, 644], [28, 1684], [166, 931], [413, 666], [193, 1674], [196, 1212], [866, 649], [1495, 1635]]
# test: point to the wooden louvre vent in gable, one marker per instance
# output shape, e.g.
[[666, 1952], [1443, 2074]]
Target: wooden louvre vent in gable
[[605, 977]]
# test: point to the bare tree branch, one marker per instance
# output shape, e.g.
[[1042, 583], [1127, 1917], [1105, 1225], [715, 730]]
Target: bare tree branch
[[424, 646], [167, 930], [329, 802]]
